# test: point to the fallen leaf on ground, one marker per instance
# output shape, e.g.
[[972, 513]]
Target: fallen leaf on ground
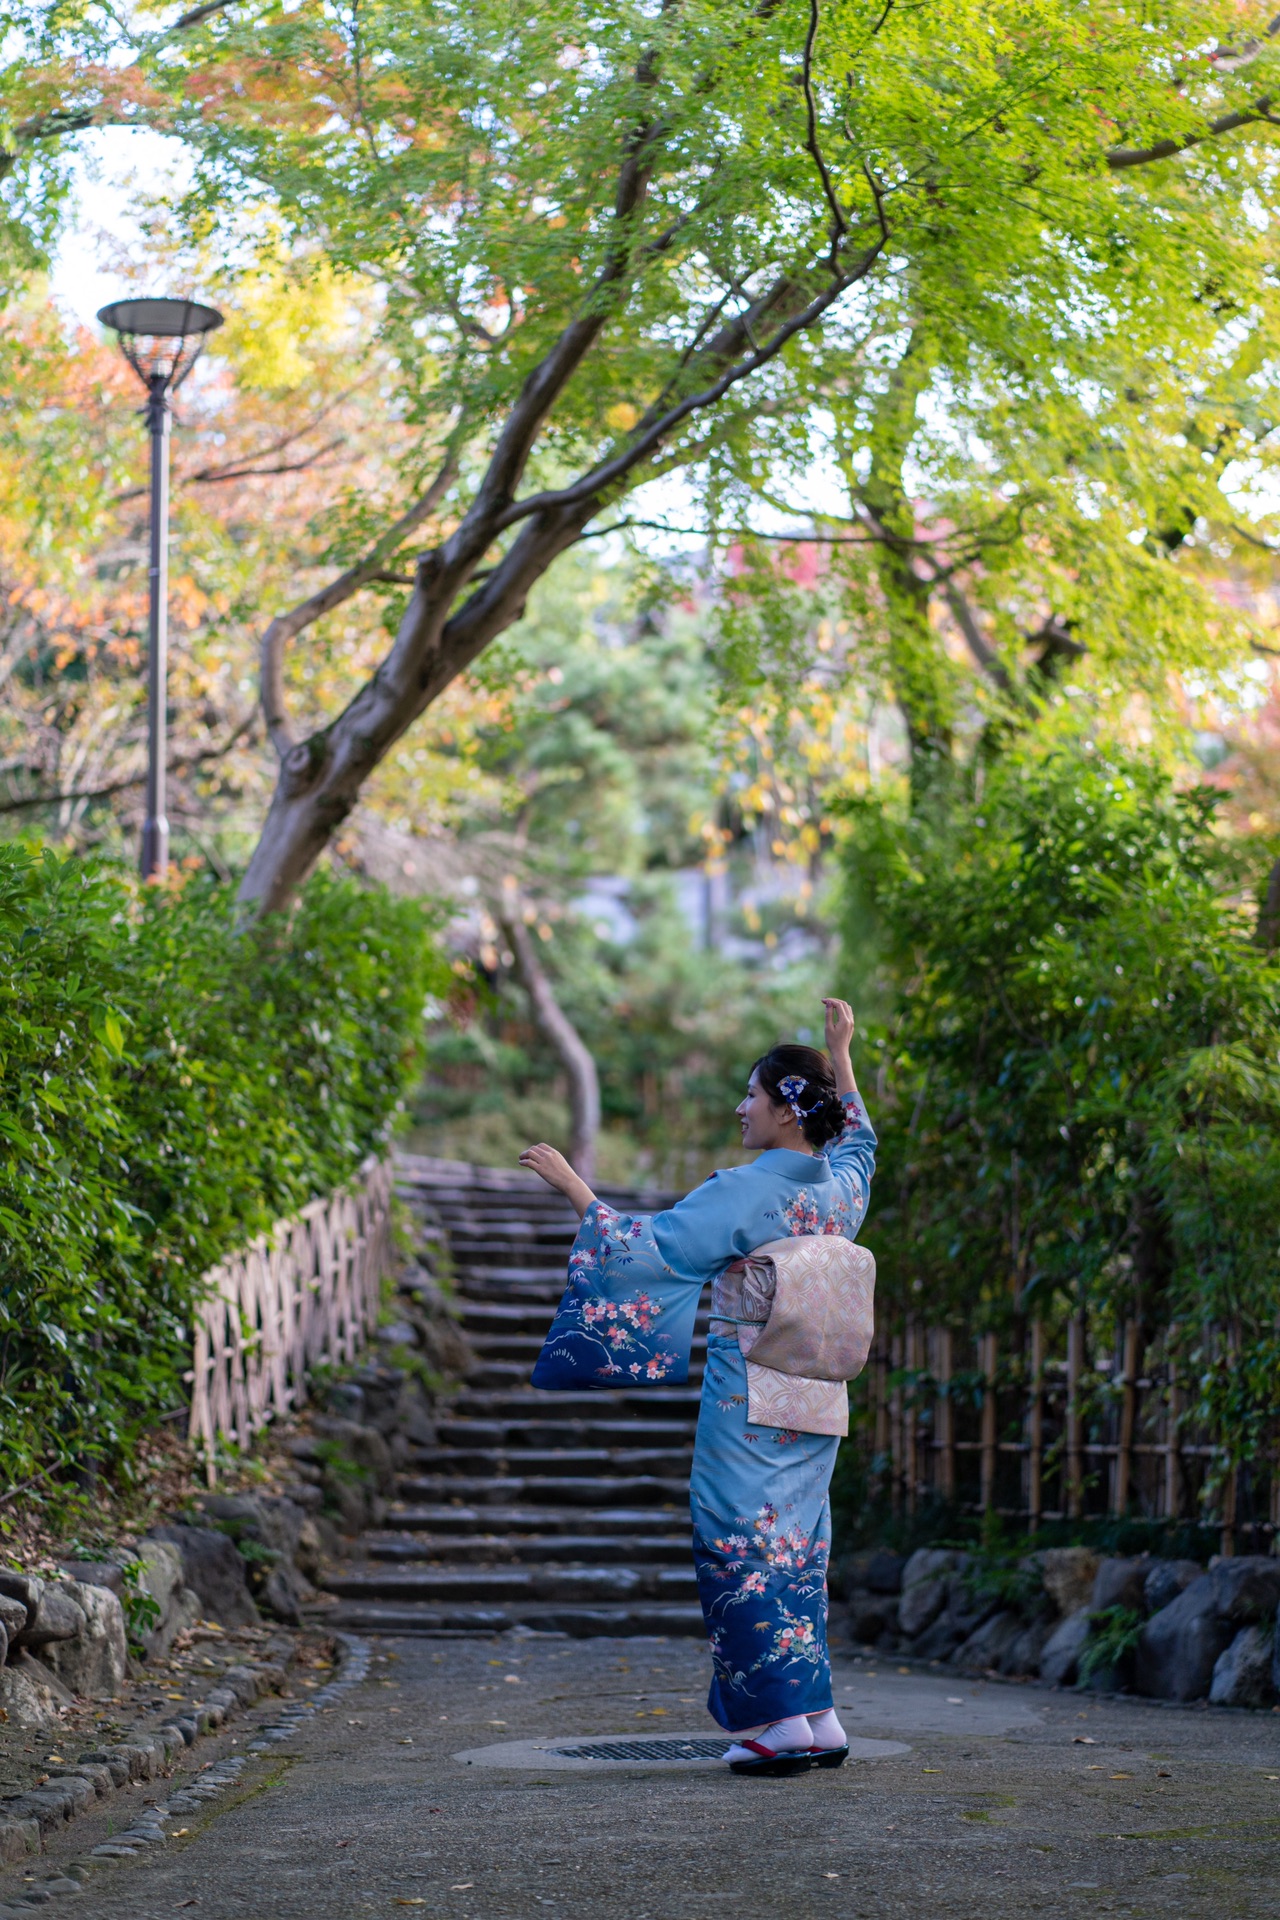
[[1122, 1776], [415, 1902], [1083, 1740], [460, 1886]]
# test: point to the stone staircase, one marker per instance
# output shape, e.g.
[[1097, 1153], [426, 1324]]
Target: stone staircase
[[563, 1512]]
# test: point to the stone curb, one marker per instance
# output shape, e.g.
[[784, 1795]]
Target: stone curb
[[26, 1818]]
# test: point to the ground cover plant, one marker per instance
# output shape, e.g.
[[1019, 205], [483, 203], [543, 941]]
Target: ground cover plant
[[168, 1087]]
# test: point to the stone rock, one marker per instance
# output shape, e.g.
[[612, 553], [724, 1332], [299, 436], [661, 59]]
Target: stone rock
[[884, 1571], [57, 1617], [284, 1592], [1167, 1579], [214, 1571], [986, 1647], [364, 1446], [400, 1333], [13, 1618], [1060, 1656], [25, 1702], [1247, 1589], [871, 1614], [161, 1571], [96, 1662], [920, 1606], [18, 1838], [162, 1578], [1023, 1654], [1120, 1583], [1180, 1645], [26, 1587], [1242, 1675], [967, 1609], [1068, 1574], [95, 1573], [937, 1642], [925, 1583]]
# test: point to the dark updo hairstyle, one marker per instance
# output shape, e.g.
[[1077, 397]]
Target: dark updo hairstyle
[[824, 1117]]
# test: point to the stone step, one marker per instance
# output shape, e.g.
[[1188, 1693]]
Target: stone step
[[633, 1522], [533, 1403], [480, 1584], [576, 1435], [534, 1254], [527, 1346], [584, 1549], [578, 1623], [552, 1490], [571, 1461]]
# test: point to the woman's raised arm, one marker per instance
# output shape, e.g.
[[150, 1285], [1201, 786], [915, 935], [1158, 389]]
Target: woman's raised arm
[[556, 1171]]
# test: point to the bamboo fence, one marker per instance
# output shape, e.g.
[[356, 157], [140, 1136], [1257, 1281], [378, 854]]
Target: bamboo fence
[[306, 1294], [986, 1422]]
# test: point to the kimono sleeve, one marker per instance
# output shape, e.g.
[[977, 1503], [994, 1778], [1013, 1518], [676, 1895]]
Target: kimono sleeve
[[625, 1318], [852, 1158]]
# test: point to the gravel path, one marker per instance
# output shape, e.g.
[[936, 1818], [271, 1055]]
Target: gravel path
[[986, 1801]]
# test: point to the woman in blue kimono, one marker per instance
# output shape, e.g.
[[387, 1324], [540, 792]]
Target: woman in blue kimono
[[761, 1515]]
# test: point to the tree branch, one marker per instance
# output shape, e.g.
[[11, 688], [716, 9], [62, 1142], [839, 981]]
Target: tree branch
[[180, 763], [287, 626], [979, 646], [604, 476], [839, 225], [1121, 157]]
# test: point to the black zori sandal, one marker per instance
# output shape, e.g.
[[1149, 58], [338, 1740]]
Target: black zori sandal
[[829, 1756], [798, 1760]]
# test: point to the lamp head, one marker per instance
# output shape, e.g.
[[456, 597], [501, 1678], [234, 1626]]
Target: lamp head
[[161, 339]]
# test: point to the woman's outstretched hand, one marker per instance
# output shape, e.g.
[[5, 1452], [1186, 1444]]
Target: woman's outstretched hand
[[556, 1171], [839, 1037]]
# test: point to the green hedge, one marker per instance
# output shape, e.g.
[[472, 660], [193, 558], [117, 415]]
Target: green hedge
[[168, 1087], [1080, 1077]]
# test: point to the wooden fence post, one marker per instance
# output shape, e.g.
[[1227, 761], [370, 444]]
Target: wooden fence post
[[307, 1292]]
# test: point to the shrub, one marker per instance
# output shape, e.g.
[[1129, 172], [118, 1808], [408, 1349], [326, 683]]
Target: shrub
[[168, 1087], [1081, 1075]]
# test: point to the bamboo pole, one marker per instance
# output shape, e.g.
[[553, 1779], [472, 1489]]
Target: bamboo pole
[[1122, 1478], [911, 1418], [944, 1416], [895, 1421], [989, 1364], [1173, 1443], [1035, 1429], [1075, 1452]]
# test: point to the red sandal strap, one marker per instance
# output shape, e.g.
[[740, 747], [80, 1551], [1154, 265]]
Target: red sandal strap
[[766, 1753]]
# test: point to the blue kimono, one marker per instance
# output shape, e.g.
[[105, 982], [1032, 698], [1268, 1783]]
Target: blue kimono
[[758, 1495]]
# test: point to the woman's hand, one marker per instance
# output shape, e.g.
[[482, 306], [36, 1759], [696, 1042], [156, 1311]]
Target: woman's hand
[[839, 1035], [556, 1171]]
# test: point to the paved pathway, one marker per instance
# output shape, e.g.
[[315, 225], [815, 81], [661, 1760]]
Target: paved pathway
[[990, 1801]]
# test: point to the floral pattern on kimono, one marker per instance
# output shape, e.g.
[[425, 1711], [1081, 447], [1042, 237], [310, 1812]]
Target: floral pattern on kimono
[[622, 1321], [761, 1540]]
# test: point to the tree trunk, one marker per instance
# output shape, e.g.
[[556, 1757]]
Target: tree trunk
[[1267, 933], [580, 1068]]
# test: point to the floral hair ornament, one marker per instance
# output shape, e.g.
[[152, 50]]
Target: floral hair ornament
[[791, 1086]]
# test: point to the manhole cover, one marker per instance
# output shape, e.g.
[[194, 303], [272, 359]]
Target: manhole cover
[[645, 1750]]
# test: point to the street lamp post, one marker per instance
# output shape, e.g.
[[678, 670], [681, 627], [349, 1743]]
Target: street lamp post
[[161, 340]]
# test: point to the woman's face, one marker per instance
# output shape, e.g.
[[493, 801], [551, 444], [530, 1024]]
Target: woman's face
[[765, 1125]]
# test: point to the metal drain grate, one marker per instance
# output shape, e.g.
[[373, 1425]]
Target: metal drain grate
[[645, 1750]]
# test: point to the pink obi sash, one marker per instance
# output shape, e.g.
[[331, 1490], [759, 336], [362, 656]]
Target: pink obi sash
[[803, 1311]]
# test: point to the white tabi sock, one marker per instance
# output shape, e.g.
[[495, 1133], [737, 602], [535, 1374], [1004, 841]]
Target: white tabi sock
[[781, 1736], [826, 1729]]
